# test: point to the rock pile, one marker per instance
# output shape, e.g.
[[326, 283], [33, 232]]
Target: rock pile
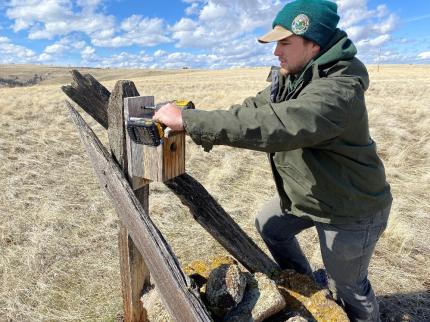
[[232, 294]]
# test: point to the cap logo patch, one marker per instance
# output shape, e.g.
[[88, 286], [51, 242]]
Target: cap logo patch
[[300, 24]]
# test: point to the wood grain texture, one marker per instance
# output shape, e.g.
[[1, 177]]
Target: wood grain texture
[[213, 218], [173, 158], [116, 120], [180, 298], [134, 107], [134, 277], [134, 273], [89, 94]]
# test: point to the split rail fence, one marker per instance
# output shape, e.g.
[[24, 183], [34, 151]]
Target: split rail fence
[[144, 252]]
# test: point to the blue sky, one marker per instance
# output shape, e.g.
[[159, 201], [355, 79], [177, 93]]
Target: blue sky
[[193, 33]]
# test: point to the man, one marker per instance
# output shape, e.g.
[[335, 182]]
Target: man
[[312, 121]]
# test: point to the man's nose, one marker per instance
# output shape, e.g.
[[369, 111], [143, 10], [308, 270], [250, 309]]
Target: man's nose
[[277, 51]]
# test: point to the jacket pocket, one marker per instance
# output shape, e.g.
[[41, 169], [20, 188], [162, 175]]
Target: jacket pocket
[[305, 195]]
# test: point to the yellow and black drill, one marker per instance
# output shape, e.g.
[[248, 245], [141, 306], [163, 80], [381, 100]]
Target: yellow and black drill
[[144, 130]]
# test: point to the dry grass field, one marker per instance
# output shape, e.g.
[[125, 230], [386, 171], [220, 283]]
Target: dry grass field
[[58, 230]]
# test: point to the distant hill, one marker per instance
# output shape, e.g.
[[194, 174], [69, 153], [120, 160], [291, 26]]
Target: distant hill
[[12, 75]]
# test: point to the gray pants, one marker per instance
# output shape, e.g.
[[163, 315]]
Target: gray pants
[[346, 250]]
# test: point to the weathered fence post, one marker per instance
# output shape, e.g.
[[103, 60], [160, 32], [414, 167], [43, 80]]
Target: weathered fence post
[[134, 273]]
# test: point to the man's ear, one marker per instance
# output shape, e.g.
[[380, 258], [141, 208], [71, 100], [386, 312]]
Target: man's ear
[[315, 48]]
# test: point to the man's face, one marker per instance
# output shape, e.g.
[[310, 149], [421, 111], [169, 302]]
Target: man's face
[[294, 53]]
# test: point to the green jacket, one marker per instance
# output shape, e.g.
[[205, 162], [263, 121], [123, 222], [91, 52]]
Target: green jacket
[[315, 130]]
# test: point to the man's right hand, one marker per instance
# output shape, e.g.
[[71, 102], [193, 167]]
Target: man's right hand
[[170, 115]]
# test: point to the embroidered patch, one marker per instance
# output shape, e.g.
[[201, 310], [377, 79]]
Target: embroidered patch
[[300, 24]]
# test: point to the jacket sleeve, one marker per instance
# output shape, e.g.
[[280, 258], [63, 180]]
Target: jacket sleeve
[[320, 113], [261, 99]]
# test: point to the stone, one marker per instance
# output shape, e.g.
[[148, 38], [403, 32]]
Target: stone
[[261, 300], [297, 318], [225, 288], [199, 270], [312, 301]]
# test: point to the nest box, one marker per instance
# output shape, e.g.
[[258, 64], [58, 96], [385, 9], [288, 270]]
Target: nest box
[[154, 163]]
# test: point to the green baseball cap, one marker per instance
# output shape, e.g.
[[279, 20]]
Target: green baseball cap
[[315, 20]]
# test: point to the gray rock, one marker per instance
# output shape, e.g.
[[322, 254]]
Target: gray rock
[[297, 319], [225, 288], [262, 299]]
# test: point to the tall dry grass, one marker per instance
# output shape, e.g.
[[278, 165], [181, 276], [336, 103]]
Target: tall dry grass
[[58, 231]]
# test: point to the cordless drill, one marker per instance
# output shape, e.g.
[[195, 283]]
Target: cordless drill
[[144, 130]]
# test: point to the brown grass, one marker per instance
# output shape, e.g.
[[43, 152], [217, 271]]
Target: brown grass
[[58, 231]]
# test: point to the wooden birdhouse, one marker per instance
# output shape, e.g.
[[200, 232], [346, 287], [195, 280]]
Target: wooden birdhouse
[[154, 163]]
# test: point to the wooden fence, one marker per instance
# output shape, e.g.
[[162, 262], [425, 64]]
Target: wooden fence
[[144, 253]]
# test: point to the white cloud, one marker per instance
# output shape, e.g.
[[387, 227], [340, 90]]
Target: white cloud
[[51, 18], [88, 4], [160, 53], [45, 58], [373, 42], [424, 55], [56, 49], [387, 25], [88, 50], [242, 53], [138, 30], [220, 21], [366, 27], [353, 12], [193, 9], [11, 53], [407, 41], [64, 47], [213, 11], [88, 54], [27, 13], [391, 56], [185, 24], [127, 60]]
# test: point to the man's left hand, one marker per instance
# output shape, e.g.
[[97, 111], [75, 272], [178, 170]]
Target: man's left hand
[[170, 115]]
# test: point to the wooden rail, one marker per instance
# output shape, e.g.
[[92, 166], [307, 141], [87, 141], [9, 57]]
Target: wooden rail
[[138, 236]]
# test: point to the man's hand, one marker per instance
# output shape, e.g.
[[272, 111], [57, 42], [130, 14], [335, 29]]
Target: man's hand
[[170, 115]]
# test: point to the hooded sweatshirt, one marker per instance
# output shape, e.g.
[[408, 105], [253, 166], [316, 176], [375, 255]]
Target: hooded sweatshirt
[[315, 130]]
